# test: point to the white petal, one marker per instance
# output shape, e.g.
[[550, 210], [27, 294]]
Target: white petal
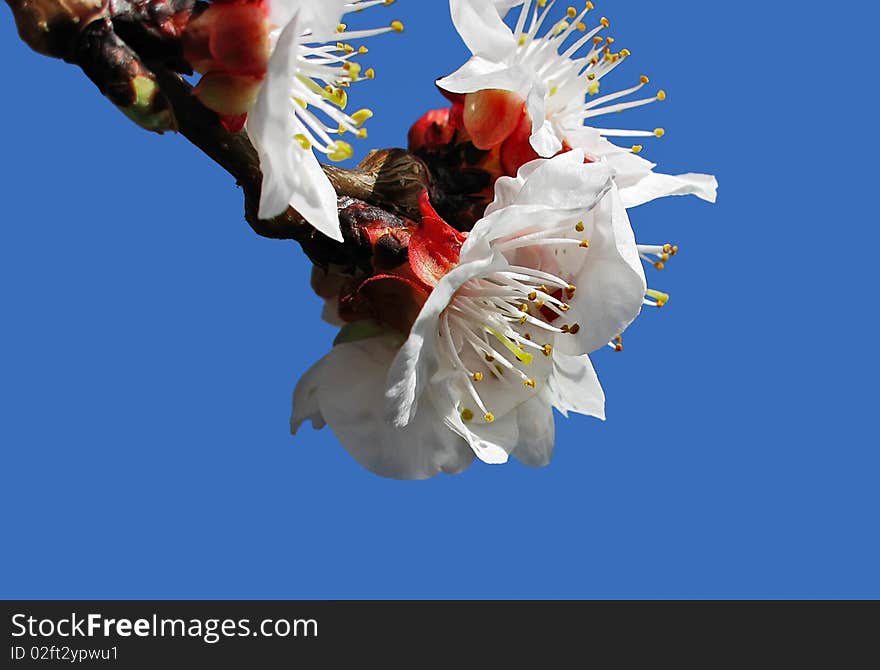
[[416, 362], [305, 398], [537, 433], [350, 396], [482, 29], [563, 182], [635, 176], [319, 18], [574, 386], [491, 442], [330, 313], [611, 283], [479, 74], [292, 176], [656, 185], [504, 6], [543, 140]]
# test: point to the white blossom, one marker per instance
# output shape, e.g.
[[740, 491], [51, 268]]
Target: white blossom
[[300, 108], [557, 69]]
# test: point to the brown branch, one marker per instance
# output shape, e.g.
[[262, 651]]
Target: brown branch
[[137, 74]]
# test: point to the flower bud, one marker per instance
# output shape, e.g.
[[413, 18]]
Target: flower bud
[[517, 150], [432, 131], [239, 39], [227, 94], [229, 44], [491, 115]]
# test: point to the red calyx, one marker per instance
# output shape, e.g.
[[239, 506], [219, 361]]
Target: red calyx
[[432, 131], [435, 246]]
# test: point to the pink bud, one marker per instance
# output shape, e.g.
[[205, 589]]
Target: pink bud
[[431, 131], [240, 39], [517, 150], [227, 94], [491, 115]]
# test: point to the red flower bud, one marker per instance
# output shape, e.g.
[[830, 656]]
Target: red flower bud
[[229, 44], [239, 40], [491, 115], [227, 94], [432, 131], [517, 150]]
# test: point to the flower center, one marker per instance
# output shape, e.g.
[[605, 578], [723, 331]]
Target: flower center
[[572, 74], [324, 73], [499, 330]]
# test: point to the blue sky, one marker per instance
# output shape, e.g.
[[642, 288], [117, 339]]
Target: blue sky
[[151, 341]]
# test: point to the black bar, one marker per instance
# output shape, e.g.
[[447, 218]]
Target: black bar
[[264, 634]]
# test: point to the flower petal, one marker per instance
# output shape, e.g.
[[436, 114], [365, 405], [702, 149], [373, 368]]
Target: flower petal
[[574, 386], [657, 185], [482, 28], [305, 398], [292, 176], [416, 363], [543, 140], [537, 433], [504, 6], [611, 282], [478, 74], [319, 18], [349, 395], [491, 442], [635, 176]]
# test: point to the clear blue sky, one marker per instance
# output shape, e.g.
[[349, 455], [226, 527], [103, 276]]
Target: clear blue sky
[[150, 343]]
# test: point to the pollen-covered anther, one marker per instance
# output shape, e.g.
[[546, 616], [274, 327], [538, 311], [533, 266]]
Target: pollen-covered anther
[[655, 298], [467, 415], [548, 350], [657, 255], [320, 88], [530, 383]]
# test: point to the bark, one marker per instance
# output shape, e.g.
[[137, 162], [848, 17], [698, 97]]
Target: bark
[[130, 49]]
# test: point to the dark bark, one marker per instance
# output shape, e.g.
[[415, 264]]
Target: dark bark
[[131, 50]]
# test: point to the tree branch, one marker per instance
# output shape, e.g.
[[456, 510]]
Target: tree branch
[[130, 49]]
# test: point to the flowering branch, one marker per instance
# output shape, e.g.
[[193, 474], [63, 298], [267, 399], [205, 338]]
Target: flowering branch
[[471, 278], [131, 50]]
